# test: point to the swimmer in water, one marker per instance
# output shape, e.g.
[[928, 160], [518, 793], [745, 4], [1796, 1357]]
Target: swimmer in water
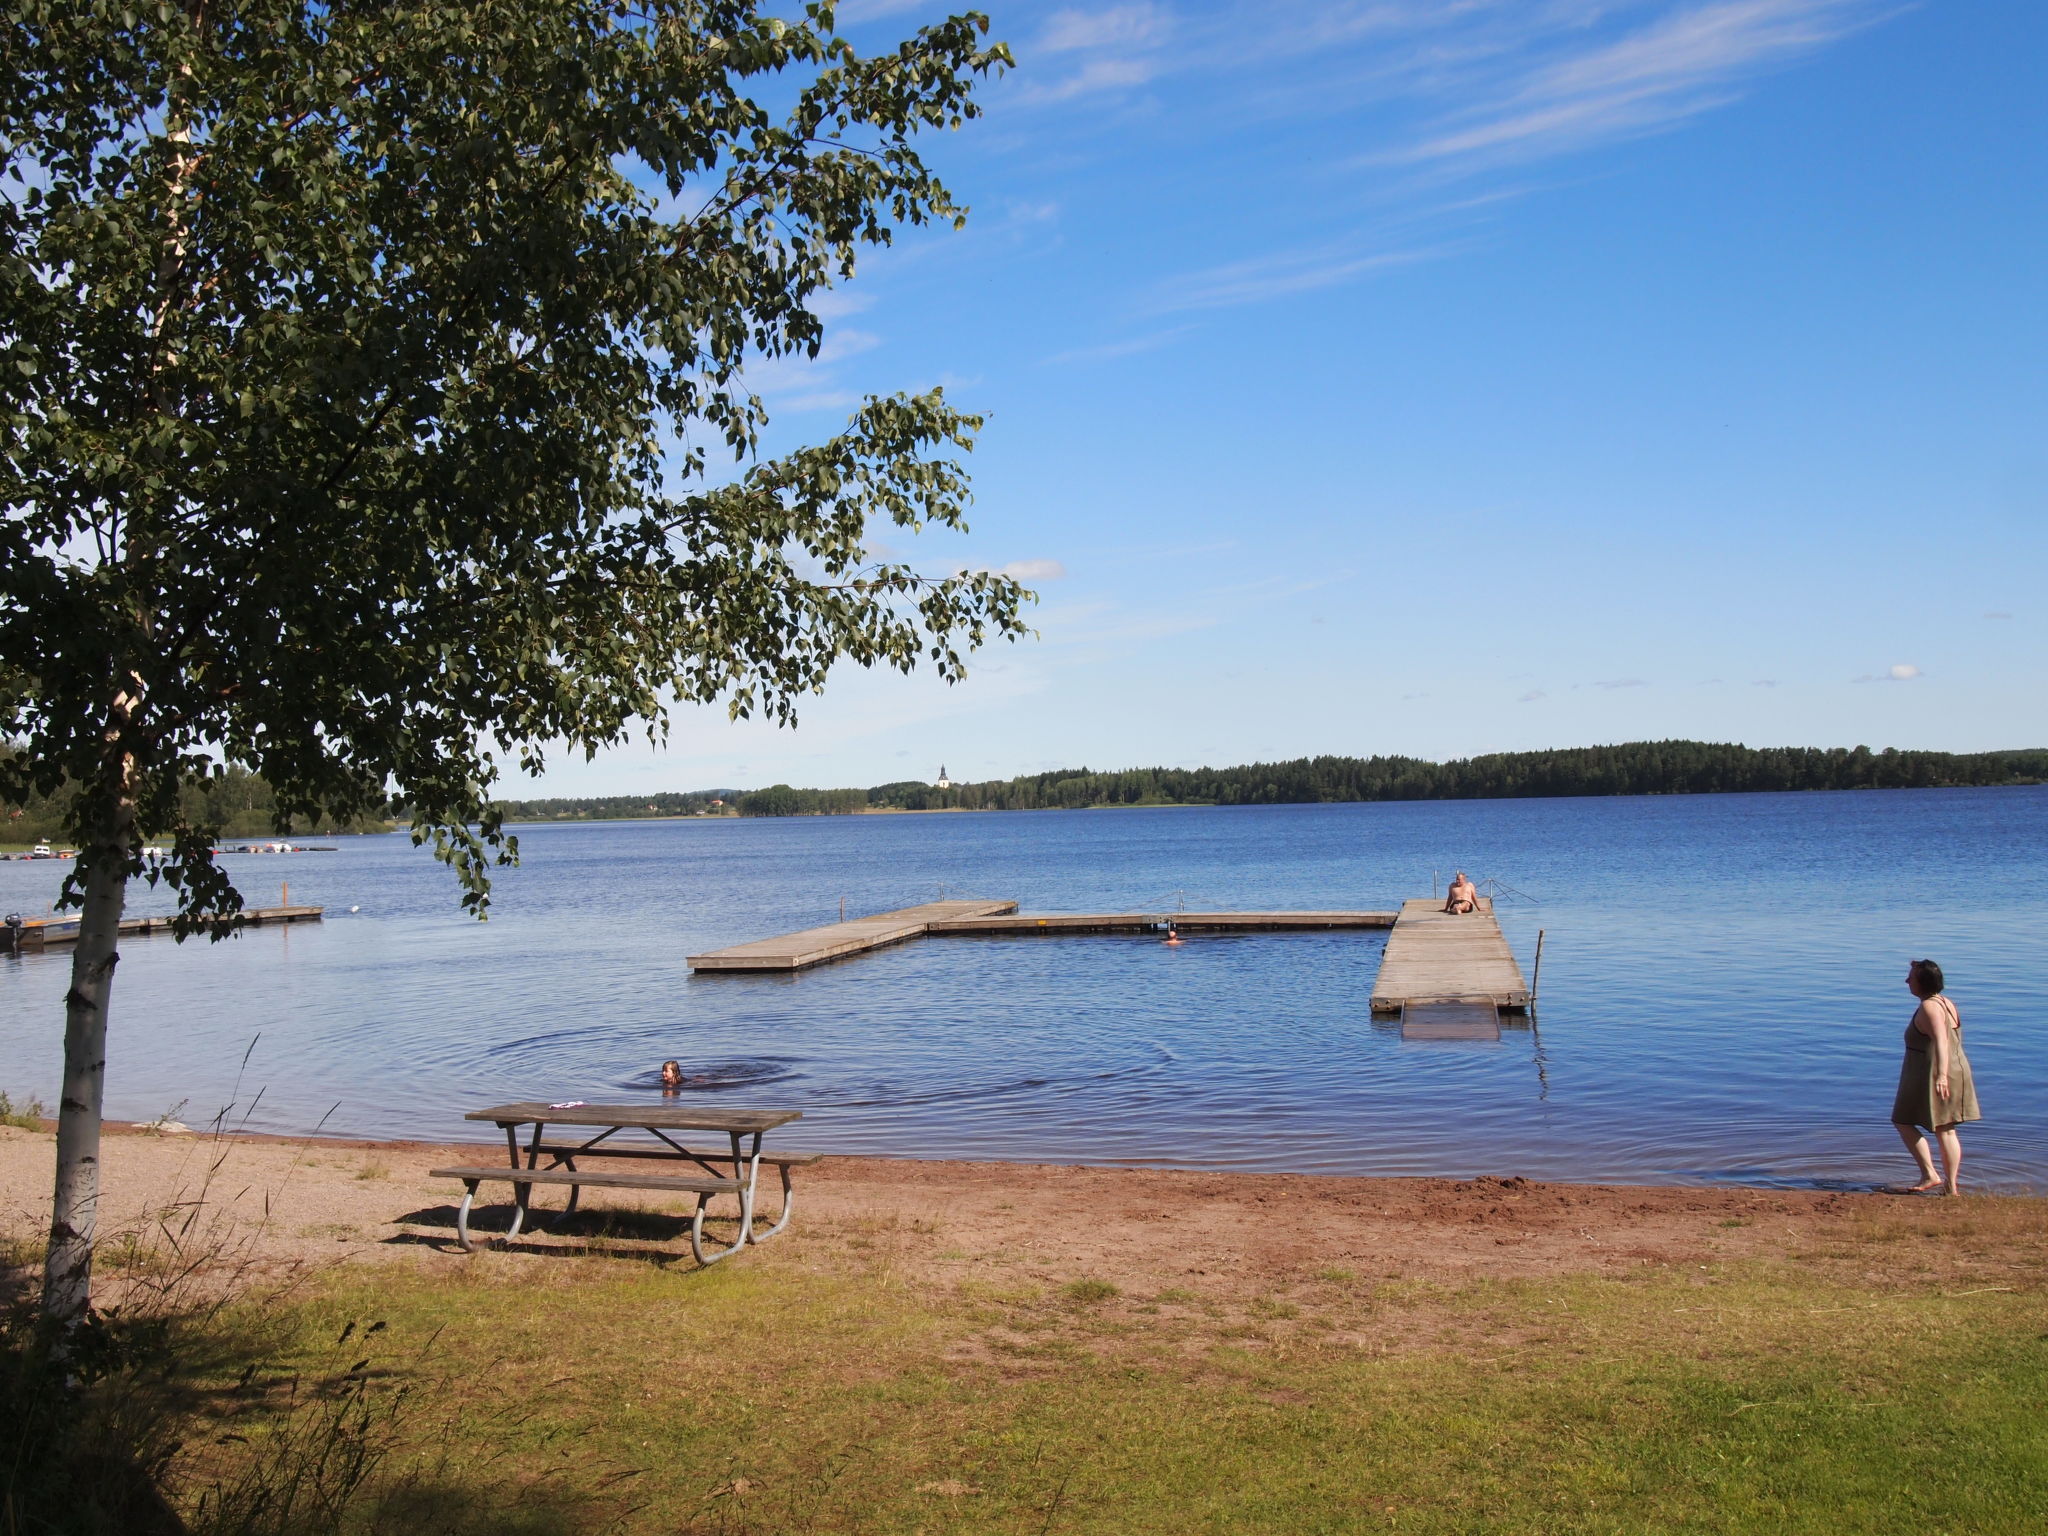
[[1172, 933], [671, 1076]]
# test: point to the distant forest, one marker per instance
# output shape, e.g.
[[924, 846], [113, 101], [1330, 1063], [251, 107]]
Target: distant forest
[[1633, 768], [238, 804]]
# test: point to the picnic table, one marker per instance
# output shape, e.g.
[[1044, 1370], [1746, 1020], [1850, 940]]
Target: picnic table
[[730, 1170]]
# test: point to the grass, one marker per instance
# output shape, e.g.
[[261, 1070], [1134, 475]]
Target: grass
[[812, 1386], [28, 1115], [605, 1393]]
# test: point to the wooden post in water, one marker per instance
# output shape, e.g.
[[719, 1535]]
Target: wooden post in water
[[284, 895], [1536, 970], [842, 909]]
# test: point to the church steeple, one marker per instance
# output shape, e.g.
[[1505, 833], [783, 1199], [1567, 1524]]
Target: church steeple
[[944, 782]]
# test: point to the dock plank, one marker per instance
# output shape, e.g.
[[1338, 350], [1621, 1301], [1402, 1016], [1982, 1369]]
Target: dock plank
[[1143, 922], [1435, 957], [835, 941]]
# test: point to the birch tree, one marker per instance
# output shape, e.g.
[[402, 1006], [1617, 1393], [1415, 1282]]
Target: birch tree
[[372, 383]]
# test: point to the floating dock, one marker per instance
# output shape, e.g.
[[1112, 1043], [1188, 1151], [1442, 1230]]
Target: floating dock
[[835, 941], [1156, 922], [1449, 976], [49, 932], [960, 919]]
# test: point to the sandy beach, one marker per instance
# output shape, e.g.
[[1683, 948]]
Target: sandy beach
[[321, 1203]]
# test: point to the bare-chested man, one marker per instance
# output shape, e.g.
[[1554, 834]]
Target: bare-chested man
[[1464, 895]]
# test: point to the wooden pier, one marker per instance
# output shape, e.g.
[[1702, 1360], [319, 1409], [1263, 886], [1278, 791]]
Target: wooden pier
[[1448, 977], [1444, 972], [835, 941], [962, 919], [1156, 922], [49, 932]]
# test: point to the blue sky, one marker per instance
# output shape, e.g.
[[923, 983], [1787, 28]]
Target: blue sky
[[1448, 376]]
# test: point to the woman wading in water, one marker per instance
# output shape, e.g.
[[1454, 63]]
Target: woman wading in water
[[1935, 1089]]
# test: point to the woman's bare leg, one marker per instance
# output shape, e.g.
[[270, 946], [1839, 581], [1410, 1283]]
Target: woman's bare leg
[[1951, 1156], [1917, 1145]]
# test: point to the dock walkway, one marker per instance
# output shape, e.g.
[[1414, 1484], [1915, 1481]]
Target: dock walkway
[[1434, 958], [49, 932], [1155, 922], [835, 941]]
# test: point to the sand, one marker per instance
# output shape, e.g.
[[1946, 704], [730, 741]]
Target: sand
[[300, 1205]]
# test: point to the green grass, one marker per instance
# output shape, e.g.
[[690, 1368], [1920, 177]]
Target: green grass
[[764, 1398], [28, 1115]]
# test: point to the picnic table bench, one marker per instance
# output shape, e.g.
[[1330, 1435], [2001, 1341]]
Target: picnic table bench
[[729, 1170]]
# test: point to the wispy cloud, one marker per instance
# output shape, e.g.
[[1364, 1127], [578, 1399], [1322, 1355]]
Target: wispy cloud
[[1622, 682], [1410, 92], [1687, 61], [1277, 276], [1532, 696], [1108, 351], [1114, 49], [1033, 570], [796, 384], [1899, 672]]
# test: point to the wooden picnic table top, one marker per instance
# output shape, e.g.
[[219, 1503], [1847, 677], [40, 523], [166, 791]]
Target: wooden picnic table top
[[651, 1117]]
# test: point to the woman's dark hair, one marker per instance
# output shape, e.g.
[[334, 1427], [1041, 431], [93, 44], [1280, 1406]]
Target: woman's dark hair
[[1928, 974]]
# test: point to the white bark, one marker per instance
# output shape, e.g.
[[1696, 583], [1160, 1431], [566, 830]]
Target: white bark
[[74, 1216]]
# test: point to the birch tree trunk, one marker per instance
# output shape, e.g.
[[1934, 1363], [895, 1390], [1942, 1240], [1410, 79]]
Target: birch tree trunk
[[74, 1215]]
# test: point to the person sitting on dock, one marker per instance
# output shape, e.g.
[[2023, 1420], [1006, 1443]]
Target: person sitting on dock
[[1464, 896]]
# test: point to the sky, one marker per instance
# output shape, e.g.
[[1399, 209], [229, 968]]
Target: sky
[[1453, 376]]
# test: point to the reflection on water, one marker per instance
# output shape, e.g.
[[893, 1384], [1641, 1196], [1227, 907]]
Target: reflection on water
[[1703, 1018]]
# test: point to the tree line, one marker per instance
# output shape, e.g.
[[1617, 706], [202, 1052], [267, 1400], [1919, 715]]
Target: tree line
[[237, 804], [1630, 768]]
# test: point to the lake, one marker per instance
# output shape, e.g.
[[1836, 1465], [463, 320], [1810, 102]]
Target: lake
[[1722, 995]]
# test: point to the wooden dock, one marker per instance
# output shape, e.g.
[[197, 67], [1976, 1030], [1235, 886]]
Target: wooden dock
[[835, 941], [49, 932], [962, 919], [1155, 922], [1437, 961]]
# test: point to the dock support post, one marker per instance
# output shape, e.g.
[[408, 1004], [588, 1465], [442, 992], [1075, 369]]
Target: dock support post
[[1536, 970]]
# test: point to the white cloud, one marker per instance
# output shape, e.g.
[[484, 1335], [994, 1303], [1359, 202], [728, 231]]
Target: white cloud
[[799, 383], [1685, 63], [1110, 350], [1033, 570], [1119, 48], [1904, 672], [1120, 26], [1532, 696], [1273, 277]]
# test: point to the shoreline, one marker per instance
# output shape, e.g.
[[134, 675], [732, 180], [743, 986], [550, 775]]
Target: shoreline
[[295, 1201]]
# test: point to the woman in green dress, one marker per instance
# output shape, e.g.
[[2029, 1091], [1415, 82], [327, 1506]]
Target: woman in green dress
[[1935, 1089]]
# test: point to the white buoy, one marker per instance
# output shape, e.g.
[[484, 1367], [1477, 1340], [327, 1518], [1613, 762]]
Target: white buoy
[[355, 909]]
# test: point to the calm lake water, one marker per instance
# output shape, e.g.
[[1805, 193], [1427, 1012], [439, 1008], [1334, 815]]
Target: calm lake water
[[1721, 987]]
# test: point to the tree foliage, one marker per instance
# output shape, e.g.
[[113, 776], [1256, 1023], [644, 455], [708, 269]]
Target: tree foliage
[[373, 401], [365, 369]]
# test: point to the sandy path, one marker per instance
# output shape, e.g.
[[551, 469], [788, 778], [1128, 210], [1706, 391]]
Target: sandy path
[[322, 1202]]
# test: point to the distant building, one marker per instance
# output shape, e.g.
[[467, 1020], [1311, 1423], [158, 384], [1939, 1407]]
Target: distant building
[[944, 782]]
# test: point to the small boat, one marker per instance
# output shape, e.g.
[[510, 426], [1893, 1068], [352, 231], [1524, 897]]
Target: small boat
[[18, 933]]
